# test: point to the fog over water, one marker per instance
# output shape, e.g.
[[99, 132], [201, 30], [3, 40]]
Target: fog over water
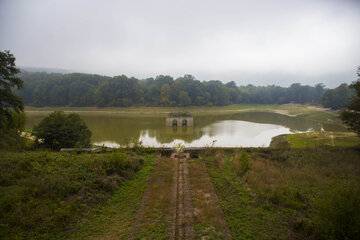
[[260, 42]]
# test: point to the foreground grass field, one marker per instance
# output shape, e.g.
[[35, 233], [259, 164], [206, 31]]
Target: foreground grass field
[[245, 193]]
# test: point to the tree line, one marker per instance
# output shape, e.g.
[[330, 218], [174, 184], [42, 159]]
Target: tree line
[[84, 90]]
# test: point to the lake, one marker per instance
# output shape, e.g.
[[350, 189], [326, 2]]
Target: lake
[[247, 129]]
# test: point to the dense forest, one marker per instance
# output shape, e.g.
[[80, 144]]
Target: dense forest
[[82, 90]]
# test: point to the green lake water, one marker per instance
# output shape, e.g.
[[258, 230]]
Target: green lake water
[[248, 129]]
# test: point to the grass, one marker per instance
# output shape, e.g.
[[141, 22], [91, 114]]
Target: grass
[[42, 193], [151, 109], [292, 109], [153, 218], [316, 139], [244, 215], [114, 219], [291, 193], [209, 222], [262, 193]]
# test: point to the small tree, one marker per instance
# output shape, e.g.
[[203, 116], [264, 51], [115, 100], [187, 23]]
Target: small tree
[[59, 130], [351, 115]]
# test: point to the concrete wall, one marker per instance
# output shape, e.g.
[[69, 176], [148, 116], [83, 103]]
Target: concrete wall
[[169, 121]]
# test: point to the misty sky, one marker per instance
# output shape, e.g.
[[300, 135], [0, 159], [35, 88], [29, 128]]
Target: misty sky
[[259, 42]]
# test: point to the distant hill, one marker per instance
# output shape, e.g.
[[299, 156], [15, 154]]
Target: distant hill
[[47, 70]]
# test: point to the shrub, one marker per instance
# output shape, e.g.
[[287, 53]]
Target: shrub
[[179, 148], [116, 163], [10, 132], [59, 130]]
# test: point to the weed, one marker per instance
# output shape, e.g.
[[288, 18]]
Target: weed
[[179, 148], [241, 163]]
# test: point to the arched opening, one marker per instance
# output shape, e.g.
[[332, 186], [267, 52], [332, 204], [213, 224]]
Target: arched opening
[[174, 123], [184, 123]]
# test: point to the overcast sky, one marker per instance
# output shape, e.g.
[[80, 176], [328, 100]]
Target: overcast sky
[[255, 41]]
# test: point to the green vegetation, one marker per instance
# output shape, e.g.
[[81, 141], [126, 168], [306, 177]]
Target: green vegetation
[[44, 193], [9, 81], [59, 130], [114, 218], [161, 110], [209, 222], [11, 119], [10, 132], [304, 111], [336, 212], [351, 115], [180, 114], [291, 193], [154, 216], [243, 213], [337, 98], [316, 139]]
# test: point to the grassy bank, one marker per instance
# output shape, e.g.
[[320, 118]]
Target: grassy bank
[[291, 193], [308, 111], [115, 218], [316, 139], [153, 109], [42, 194]]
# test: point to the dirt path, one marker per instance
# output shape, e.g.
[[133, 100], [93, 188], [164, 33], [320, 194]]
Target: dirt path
[[155, 210], [180, 203], [208, 215], [182, 225]]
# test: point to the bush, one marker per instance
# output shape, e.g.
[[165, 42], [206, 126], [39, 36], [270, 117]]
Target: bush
[[116, 163], [10, 132], [337, 211], [59, 130], [43, 192]]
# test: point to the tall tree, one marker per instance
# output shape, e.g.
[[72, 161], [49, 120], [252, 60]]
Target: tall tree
[[165, 93], [351, 115], [337, 98], [184, 99], [9, 80]]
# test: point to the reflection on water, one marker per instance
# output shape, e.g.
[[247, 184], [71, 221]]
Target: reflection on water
[[250, 129], [228, 133]]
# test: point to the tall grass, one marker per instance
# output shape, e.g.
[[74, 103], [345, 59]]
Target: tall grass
[[241, 163], [336, 211], [311, 192]]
